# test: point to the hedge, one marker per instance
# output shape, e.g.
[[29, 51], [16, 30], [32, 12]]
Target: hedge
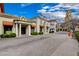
[[77, 35], [40, 33], [36, 33], [9, 35]]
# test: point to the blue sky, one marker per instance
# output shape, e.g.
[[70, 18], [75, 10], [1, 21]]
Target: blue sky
[[27, 10], [49, 10]]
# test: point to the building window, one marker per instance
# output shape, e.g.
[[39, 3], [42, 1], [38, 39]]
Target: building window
[[7, 28]]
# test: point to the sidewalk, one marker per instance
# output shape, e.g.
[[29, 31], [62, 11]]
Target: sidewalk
[[68, 48]]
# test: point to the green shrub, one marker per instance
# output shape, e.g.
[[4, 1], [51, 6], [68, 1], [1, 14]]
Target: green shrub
[[2, 36], [40, 33], [13, 34], [58, 30], [5, 36], [8, 32], [77, 35], [8, 35], [34, 33]]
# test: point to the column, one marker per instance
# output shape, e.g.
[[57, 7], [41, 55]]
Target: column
[[54, 29], [48, 29], [19, 29], [38, 25], [45, 29], [13, 29], [38, 28], [29, 30], [1, 28], [35, 29], [16, 30], [26, 30]]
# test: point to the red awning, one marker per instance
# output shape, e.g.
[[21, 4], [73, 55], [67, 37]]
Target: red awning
[[6, 23]]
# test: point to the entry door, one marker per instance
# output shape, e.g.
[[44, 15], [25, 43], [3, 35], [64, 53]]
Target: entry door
[[23, 30], [32, 29]]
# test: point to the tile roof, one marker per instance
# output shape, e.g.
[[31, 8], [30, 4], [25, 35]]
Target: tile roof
[[15, 18], [8, 15]]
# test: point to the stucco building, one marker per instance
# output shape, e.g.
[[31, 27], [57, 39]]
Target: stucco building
[[53, 25], [22, 26]]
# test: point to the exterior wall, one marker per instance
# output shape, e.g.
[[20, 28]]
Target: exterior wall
[[16, 28], [53, 25], [13, 28], [77, 28], [48, 23], [41, 22], [6, 19], [1, 27], [1, 23]]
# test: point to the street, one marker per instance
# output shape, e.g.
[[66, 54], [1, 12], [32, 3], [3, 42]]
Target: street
[[56, 44]]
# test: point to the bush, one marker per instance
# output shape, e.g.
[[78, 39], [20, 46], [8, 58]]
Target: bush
[[34, 33], [13, 34], [77, 35], [9, 35], [40, 33], [8, 32], [5, 36], [58, 30]]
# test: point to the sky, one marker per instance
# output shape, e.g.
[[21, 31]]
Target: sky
[[50, 11]]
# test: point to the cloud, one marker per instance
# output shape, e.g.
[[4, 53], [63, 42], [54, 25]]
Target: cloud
[[66, 6], [58, 11], [58, 6], [41, 11], [54, 15], [71, 5], [46, 7], [25, 4], [59, 14], [51, 9]]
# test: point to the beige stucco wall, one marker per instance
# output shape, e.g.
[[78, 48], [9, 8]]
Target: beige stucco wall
[[1, 26], [1, 23], [76, 28], [6, 19], [53, 25], [14, 28]]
